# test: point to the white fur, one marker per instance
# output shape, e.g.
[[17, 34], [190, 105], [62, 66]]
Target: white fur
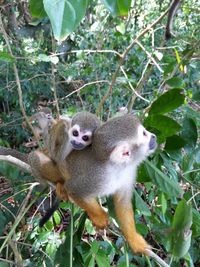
[[121, 170], [118, 179], [81, 134]]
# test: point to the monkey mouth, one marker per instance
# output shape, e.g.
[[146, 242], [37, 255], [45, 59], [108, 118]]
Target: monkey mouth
[[77, 146], [153, 143]]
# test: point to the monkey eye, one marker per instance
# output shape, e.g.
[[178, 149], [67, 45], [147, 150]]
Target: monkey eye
[[144, 133], [75, 133], [85, 138]]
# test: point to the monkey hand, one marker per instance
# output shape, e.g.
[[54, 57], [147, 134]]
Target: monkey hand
[[139, 245], [100, 221]]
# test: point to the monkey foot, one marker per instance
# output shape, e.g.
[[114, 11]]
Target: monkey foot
[[100, 221], [139, 245], [61, 192]]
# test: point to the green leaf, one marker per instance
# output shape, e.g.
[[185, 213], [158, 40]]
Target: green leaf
[[142, 175], [141, 206], [65, 15], [166, 126], [175, 82], [4, 56], [57, 218], [102, 261], [95, 247], [163, 203], [174, 142], [3, 222], [118, 7], [183, 216], [189, 133], [170, 187], [181, 236], [121, 28], [196, 223], [37, 8], [167, 102]]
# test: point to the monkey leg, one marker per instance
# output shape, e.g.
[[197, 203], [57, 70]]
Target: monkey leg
[[94, 211], [125, 215], [61, 192], [44, 168]]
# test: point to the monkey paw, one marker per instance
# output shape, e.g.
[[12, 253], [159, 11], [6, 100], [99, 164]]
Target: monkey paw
[[100, 221], [139, 245], [61, 192]]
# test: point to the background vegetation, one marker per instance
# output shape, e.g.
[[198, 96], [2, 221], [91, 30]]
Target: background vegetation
[[103, 61]]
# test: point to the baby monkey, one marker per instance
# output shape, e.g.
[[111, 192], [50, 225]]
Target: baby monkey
[[64, 136], [67, 134]]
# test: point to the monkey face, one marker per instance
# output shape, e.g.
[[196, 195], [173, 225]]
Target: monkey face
[[79, 138], [136, 148], [147, 141]]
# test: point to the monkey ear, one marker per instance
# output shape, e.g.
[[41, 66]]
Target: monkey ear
[[121, 153]]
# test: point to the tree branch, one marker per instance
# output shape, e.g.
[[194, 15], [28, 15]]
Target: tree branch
[[157, 258], [122, 60], [19, 89], [20, 164]]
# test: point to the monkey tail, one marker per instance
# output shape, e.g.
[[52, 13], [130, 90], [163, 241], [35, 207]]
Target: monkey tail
[[49, 213]]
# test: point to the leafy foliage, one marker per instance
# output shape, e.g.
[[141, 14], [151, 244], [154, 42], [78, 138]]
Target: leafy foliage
[[92, 37]]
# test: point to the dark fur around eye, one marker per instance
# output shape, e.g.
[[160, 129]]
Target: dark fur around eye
[[144, 133], [85, 138], [75, 133]]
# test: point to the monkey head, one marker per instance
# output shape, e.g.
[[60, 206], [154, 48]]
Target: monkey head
[[123, 140], [42, 119], [82, 128]]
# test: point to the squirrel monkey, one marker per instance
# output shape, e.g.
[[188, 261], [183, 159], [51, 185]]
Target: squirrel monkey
[[64, 136], [67, 135], [42, 121], [108, 167]]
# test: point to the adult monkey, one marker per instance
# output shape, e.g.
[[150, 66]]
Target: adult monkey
[[108, 167]]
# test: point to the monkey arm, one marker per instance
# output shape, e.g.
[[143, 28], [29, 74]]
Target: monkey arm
[[125, 216], [58, 145], [44, 167]]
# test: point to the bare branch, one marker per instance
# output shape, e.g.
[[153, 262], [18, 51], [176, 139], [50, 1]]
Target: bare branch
[[157, 258], [20, 164], [19, 89], [122, 59]]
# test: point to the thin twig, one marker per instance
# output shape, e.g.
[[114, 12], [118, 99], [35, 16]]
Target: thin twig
[[134, 91], [19, 89], [22, 165], [31, 246], [122, 59], [54, 81], [20, 216], [157, 258], [17, 255], [150, 56], [5, 260], [80, 88]]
